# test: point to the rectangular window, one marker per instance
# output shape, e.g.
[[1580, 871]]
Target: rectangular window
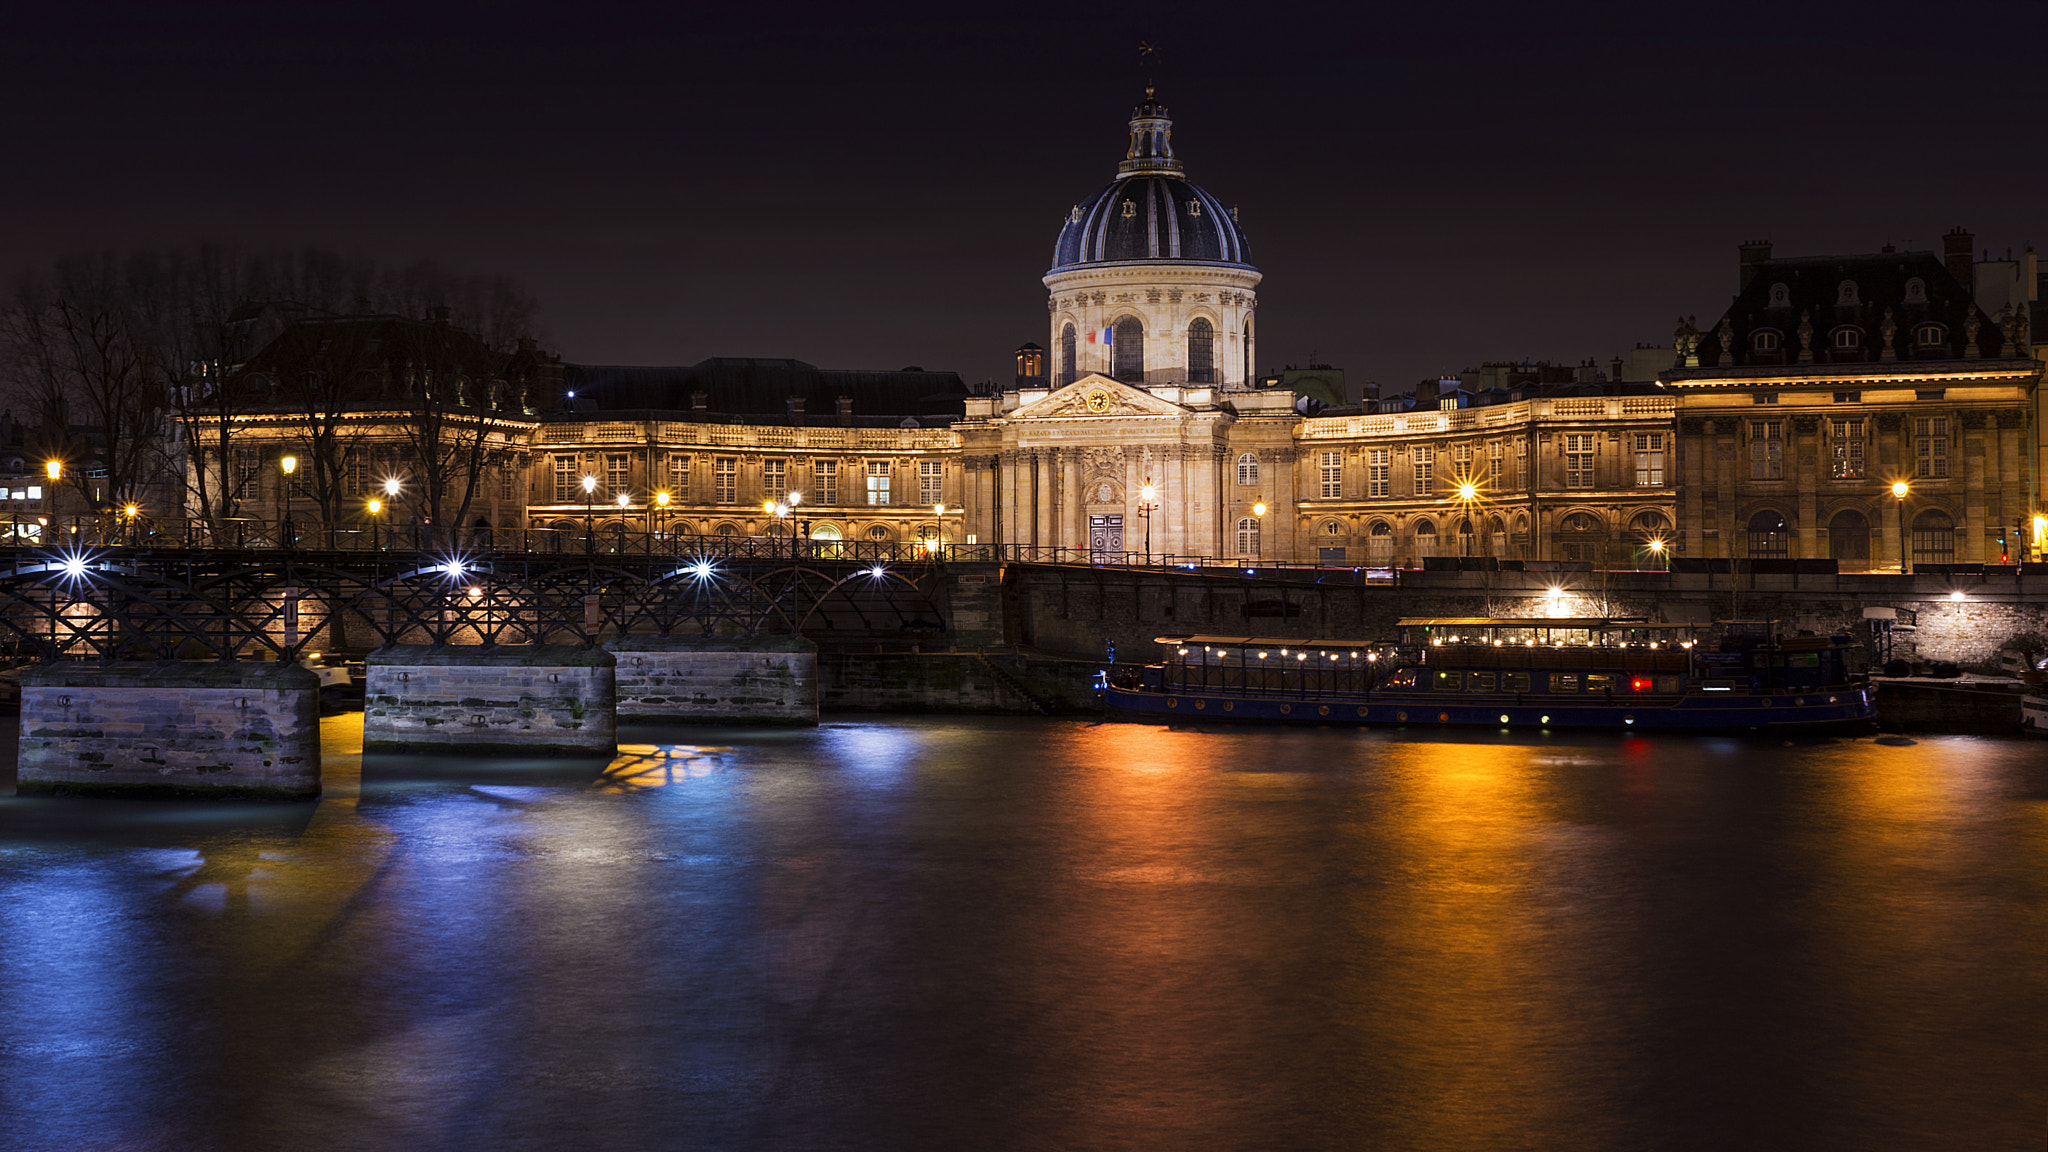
[[1425, 464], [679, 480], [725, 479], [825, 478], [1649, 459], [1600, 682], [1847, 438], [1479, 681], [1578, 460], [1494, 456], [618, 474], [565, 480], [774, 480], [1930, 446], [248, 462], [1449, 681], [1564, 682], [508, 480], [355, 474], [930, 488], [1333, 475], [878, 481], [1766, 449], [1514, 681], [1461, 462], [1522, 463], [1378, 470]]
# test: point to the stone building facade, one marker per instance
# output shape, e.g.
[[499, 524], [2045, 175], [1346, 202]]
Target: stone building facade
[[1831, 379]]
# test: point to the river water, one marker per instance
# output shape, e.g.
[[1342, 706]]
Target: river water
[[994, 933]]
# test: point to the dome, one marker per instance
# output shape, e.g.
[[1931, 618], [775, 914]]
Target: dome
[[1151, 211]]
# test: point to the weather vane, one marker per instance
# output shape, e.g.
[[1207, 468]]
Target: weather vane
[[1147, 52]]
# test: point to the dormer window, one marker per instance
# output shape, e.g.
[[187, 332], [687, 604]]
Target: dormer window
[[1764, 341], [1781, 296], [1848, 338], [1130, 209], [1845, 294], [1929, 336], [1916, 291], [1194, 207]]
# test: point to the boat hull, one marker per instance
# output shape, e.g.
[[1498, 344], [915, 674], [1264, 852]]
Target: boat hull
[[1839, 708], [2034, 715]]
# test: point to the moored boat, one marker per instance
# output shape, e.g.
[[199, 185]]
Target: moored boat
[[1508, 672]]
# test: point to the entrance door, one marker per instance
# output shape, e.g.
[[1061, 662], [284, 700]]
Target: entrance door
[[1105, 538]]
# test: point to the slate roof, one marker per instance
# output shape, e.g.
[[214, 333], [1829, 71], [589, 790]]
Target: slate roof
[[1813, 291], [1151, 211], [751, 386]]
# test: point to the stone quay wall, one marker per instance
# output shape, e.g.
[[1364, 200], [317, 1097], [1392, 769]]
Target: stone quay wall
[[501, 700], [715, 679], [175, 729]]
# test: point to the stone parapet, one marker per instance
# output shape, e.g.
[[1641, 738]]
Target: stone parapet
[[175, 729], [717, 679], [529, 700]]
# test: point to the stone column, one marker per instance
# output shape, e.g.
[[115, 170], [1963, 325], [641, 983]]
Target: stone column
[[531, 699], [1971, 544], [1043, 480], [1073, 529], [1805, 450]]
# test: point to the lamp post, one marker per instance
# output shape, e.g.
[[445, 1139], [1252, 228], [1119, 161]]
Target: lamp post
[[1148, 503], [589, 512], [660, 513], [1468, 495], [375, 506], [391, 490], [288, 465], [1899, 490], [54, 469], [625, 502], [1657, 547], [1259, 528]]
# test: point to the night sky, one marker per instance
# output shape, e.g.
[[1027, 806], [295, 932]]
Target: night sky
[[882, 187]]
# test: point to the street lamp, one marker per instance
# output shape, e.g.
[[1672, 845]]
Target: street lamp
[[1899, 490], [589, 511], [660, 512], [375, 506], [289, 465], [1148, 503], [391, 489]]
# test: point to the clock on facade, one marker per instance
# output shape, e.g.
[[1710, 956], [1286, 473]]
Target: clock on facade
[[1098, 400]]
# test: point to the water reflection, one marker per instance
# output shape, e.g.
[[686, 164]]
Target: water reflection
[[1037, 934]]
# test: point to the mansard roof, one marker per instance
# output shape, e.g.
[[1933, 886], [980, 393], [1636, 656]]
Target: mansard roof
[[1904, 306], [753, 386]]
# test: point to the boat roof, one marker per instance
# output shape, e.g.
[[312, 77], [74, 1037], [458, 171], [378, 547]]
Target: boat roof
[[1265, 642], [1537, 622]]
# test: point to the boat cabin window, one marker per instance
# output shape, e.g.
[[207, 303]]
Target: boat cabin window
[[1599, 682], [1514, 681], [1448, 681], [1479, 681], [1564, 682], [1405, 678]]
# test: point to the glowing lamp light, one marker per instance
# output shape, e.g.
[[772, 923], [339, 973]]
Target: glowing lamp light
[[54, 469], [1900, 489], [795, 498], [1468, 491], [768, 506], [1656, 546], [589, 484], [1554, 592], [1957, 596], [453, 568], [74, 566], [702, 570], [132, 511], [290, 464], [1148, 494], [1639, 684], [1259, 509], [661, 499], [1262, 655], [877, 572], [624, 500], [392, 486], [376, 505]]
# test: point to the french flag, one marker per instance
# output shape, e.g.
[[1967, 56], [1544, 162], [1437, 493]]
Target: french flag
[[1102, 335]]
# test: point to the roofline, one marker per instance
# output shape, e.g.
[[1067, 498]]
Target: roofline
[[1150, 262], [2003, 368]]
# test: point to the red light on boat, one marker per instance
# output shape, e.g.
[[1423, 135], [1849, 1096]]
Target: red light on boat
[[1639, 684]]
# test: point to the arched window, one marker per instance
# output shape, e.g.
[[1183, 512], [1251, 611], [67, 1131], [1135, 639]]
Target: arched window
[[1247, 377], [1425, 538], [1769, 537], [1248, 469], [1849, 540], [824, 532], [1497, 537], [1582, 536], [1332, 528], [1763, 340], [1916, 291], [1379, 544], [878, 532], [728, 530], [1466, 544], [1781, 296], [1930, 336], [1127, 351], [1248, 536], [1848, 338], [1934, 538], [1648, 528], [1845, 294], [1201, 352], [1067, 370]]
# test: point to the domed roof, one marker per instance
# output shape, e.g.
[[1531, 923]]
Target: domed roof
[[1150, 211]]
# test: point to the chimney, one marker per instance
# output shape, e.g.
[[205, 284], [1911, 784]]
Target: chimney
[[846, 411], [699, 401], [1955, 252], [1753, 255]]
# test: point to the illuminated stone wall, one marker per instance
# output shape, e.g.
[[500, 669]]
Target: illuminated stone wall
[[514, 699]]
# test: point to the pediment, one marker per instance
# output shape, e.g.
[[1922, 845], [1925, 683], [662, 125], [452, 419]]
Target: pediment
[[1096, 395]]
